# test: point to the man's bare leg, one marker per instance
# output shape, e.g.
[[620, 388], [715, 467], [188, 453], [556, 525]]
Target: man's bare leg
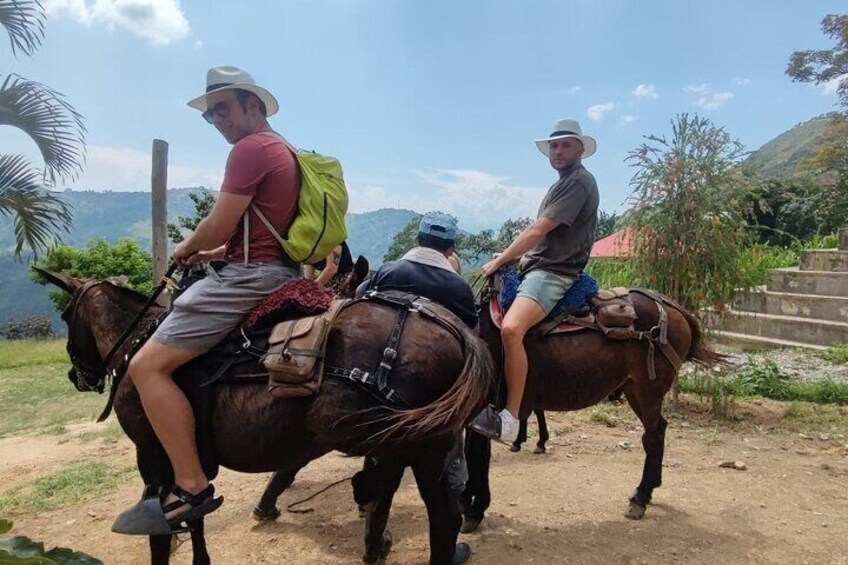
[[521, 316], [168, 410]]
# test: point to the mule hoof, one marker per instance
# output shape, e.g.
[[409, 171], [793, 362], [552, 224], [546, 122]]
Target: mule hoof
[[539, 450], [515, 447], [461, 553], [634, 511], [261, 515], [469, 525], [374, 557]]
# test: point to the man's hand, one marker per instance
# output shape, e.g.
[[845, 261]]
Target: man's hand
[[492, 266], [183, 256]]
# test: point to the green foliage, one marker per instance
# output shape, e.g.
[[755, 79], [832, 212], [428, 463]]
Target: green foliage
[[203, 203], [824, 65], [612, 272], [687, 213], [36, 326], [717, 390], [837, 354], [403, 240], [607, 224], [19, 550], [756, 260], [99, 259], [780, 157], [54, 126], [766, 379]]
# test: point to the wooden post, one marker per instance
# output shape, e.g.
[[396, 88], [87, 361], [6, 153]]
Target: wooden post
[[159, 187]]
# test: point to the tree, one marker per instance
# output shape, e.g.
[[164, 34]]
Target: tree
[[825, 65], [606, 224], [55, 127], [687, 213], [403, 240], [203, 203], [99, 259]]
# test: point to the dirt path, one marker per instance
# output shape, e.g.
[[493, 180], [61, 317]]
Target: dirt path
[[789, 506]]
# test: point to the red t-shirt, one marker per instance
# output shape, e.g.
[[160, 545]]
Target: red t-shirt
[[262, 166]]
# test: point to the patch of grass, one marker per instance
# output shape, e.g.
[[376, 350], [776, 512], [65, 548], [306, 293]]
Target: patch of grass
[[603, 415], [763, 379], [30, 352], [836, 354], [38, 396], [55, 430], [66, 487], [611, 272], [109, 434], [715, 389]]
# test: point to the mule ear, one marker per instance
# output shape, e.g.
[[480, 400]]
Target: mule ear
[[67, 283], [360, 269], [120, 280]]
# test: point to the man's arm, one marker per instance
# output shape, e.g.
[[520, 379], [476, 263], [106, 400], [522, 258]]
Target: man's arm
[[215, 229], [331, 266], [526, 240]]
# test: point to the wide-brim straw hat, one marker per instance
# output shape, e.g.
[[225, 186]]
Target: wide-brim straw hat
[[568, 128], [224, 78]]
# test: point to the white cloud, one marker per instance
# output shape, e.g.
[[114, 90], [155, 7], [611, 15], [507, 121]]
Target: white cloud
[[198, 44], [598, 111], [574, 90], [627, 119], [158, 21], [123, 169], [714, 100], [369, 197], [697, 89], [830, 87], [645, 91], [740, 81]]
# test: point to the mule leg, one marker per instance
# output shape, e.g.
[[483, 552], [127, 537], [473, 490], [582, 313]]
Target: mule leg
[[476, 497], [198, 544], [160, 550], [266, 508], [522, 436], [384, 476], [649, 411], [442, 501], [543, 432]]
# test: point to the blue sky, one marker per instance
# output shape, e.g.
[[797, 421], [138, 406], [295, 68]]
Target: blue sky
[[428, 104]]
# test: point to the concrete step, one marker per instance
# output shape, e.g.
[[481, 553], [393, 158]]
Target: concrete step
[[842, 238], [832, 260], [788, 328], [743, 342], [833, 308], [824, 283]]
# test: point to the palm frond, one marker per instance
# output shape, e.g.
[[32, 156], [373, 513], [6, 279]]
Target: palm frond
[[39, 216], [24, 20], [53, 124]]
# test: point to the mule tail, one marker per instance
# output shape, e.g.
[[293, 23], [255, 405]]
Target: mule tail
[[454, 409], [699, 353]]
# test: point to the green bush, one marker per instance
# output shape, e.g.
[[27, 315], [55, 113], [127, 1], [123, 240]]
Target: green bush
[[763, 379], [611, 272], [36, 326], [19, 550], [837, 354]]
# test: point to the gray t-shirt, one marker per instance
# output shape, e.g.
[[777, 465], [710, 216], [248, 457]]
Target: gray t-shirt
[[573, 202]]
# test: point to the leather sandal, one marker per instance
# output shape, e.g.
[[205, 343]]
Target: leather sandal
[[148, 516]]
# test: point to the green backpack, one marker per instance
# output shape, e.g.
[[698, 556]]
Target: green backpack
[[319, 225]]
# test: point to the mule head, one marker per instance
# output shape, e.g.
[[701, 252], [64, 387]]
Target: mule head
[[355, 278]]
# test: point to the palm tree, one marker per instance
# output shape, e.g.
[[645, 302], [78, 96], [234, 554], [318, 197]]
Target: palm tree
[[53, 124]]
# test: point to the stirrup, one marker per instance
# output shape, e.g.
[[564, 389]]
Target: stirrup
[[147, 517]]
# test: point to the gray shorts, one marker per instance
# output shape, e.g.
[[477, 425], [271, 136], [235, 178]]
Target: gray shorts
[[545, 288], [214, 306]]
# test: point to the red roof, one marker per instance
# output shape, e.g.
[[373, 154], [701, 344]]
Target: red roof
[[614, 245]]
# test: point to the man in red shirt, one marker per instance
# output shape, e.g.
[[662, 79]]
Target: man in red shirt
[[261, 171]]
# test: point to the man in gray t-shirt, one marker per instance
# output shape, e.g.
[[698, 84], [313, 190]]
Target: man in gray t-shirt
[[553, 250]]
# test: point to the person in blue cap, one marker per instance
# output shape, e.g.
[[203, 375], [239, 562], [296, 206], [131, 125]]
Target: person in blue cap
[[426, 270]]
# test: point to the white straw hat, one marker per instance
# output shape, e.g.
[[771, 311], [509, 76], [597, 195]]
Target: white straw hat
[[567, 128], [223, 78]]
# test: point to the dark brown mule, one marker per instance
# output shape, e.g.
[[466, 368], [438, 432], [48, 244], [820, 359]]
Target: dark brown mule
[[442, 380], [570, 371]]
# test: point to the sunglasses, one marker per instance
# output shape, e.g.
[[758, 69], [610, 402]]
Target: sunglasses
[[222, 108]]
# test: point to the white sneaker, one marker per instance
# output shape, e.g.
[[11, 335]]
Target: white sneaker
[[509, 427]]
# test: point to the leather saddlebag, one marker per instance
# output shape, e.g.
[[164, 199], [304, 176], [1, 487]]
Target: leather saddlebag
[[614, 313], [295, 357]]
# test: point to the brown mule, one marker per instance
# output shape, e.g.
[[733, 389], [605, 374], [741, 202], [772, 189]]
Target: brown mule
[[570, 371], [443, 381]]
